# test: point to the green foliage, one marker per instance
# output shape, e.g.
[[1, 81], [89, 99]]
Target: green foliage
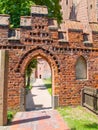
[[31, 66], [9, 115], [48, 84], [17, 8], [28, 88], [29, 70], [79, 118], [53, 8]]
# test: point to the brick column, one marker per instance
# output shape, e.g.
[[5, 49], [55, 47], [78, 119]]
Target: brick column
[[3, 86]]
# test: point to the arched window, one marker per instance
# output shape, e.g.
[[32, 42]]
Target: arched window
[[81, 68]]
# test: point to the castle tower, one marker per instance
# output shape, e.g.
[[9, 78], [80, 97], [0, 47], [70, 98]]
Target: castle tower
[[84, 11], [66, 8], [92, 10], [87, 10]]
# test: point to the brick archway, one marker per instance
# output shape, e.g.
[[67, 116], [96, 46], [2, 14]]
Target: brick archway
[[45, 54], [40, 36], [23, 63]]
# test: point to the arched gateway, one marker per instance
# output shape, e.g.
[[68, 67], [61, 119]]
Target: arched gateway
[[39, 36], [27, 57]]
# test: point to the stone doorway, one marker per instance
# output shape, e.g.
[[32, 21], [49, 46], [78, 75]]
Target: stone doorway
[[39, 96], [17, 76], [54, 72]]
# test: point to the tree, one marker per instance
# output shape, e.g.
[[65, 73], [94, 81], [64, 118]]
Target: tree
[[30, 67], [53, 8], [17, 8]]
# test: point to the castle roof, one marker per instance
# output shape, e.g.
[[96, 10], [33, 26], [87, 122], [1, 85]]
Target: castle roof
[[94, 27], [73, 25]]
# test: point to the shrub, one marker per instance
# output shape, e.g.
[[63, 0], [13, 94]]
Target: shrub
[[28, 88], [9, 116]]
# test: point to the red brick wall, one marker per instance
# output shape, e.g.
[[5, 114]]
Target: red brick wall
[[62, 58]]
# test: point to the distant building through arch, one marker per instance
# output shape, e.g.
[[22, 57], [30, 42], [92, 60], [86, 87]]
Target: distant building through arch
[[43, 69]]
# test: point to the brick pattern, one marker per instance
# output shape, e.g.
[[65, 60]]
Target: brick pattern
[[62, 60], [38, 39], [85, 11], [38, 120]]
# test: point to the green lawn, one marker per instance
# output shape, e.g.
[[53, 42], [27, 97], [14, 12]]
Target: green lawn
[[79, 118], [48, 84]]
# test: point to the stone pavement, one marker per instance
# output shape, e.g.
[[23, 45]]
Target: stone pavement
[[38, 120], [38, 97], [39, 115]]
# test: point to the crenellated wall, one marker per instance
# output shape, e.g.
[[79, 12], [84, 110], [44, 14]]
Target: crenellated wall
[[40, 36]]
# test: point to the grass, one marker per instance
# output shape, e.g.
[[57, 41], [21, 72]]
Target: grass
[[48, 84], [79, 118]]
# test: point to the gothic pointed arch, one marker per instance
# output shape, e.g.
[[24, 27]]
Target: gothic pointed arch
[[48, 56]]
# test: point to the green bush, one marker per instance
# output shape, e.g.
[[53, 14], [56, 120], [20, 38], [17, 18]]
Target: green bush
[[28, 88], [9, 115]]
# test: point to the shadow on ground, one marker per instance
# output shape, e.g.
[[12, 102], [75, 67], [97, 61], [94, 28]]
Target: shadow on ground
[[29, 120], [30, 104]]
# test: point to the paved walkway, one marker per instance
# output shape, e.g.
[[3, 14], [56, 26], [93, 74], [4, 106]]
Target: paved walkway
[[38, 120], [38, 98], [41, 118]]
